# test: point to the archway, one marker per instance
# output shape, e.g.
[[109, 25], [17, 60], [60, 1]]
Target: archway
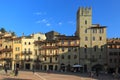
[[97, 67]]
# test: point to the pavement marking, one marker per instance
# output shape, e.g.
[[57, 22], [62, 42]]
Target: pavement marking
[[40, 76]]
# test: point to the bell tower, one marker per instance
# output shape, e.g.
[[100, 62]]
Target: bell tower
[[84, 20]]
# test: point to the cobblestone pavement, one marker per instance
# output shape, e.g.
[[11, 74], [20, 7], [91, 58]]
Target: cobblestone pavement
[[28, 75], [23, 75], [73, 76]]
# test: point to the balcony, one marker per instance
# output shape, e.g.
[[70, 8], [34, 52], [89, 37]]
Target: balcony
[[70, 45], [37, 60], [27, 60], [26, 52], [7, 50]]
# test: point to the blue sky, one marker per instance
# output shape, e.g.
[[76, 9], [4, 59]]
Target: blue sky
[[32, 16]]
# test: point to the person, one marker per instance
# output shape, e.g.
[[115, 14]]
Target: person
[[97, 72], [33, 69], [5, 68], [16, 72]]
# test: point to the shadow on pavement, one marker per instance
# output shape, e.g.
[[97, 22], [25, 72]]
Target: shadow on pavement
[[85, 75]]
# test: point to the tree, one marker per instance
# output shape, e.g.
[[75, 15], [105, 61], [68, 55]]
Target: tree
[[3, 30], [13, 34]]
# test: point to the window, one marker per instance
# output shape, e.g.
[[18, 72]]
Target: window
[[45, 58], [101, 31], [75, 49], [10, 47], [69, 42], [69, 56], [110, 54], [94, 30], [6, 54], [85, 21], [50, 44], [38, 38], [62, 56], [29, 43], [100, 38], [110, 60], [93, 38], [85, 30], [62, 42], [75, 42], [63, 49], [25, 43], [16, 49], [86, 38], [50, 59], [29, 49], [35, 52], [75, 56], [6, 47], [69, 49], [56, 58]]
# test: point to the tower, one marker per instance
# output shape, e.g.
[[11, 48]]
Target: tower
[[84, 20], [92, 39]]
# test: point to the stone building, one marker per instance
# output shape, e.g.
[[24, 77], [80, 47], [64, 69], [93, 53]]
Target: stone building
[[92, 40], [113, 55]]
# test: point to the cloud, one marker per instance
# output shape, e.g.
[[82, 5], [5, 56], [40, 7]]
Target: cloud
[[38, 21], [44, 22], [71, 22], [40, 13], [60, 23], [48, 24]]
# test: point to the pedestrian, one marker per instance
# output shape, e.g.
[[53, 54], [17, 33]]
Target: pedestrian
[[5, 68], [97, 72], [33, 69], [16, 72]]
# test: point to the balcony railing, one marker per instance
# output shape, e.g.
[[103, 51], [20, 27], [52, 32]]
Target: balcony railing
[[26, 52], [7, 50], [28, 60]]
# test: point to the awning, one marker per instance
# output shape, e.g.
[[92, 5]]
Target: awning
[[0, 64], [77, 65]]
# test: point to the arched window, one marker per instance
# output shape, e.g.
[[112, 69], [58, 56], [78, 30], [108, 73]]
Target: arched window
[[38, 38], [6, 47], [85, 30], [85, 21], [29, 43]]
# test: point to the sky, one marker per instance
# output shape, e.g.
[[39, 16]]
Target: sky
[[33, 16]]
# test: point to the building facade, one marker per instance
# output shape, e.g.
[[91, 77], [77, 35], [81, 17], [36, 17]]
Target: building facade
[[113, 55]]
